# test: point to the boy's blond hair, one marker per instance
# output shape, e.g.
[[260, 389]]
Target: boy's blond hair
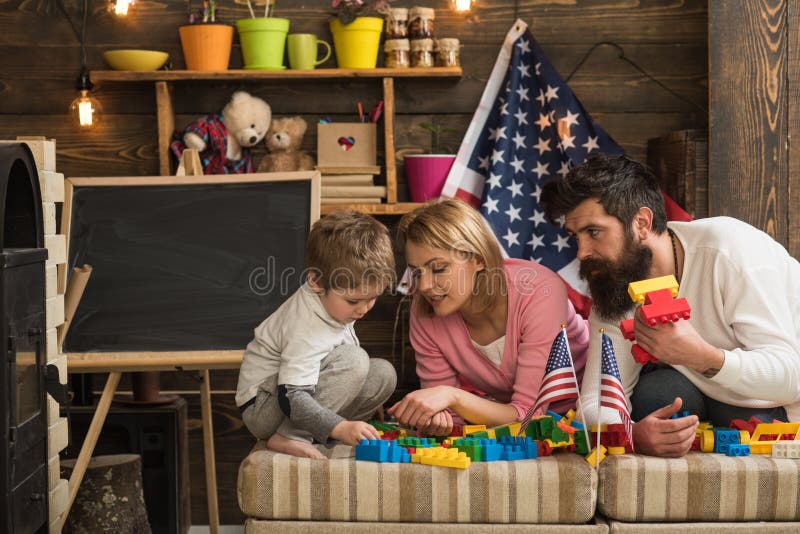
[[454, 226], [350, 250]]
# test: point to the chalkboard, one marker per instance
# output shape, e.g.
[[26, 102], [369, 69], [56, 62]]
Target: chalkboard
[[185, 263]]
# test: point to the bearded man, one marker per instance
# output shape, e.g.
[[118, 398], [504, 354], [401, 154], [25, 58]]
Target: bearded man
[[739, 354]]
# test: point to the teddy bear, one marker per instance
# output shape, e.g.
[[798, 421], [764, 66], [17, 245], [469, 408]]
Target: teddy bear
[[223, 139], [283, 140]]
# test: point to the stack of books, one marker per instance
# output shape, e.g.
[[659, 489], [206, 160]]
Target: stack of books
[[351, 185]]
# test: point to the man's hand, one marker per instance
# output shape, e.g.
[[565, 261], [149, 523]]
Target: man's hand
[[658, 435], [677, 344], [441, 425], [352, 432], [418, 407]]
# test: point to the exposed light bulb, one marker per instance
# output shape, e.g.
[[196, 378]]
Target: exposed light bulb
[[84, 109], [462, 5], [120, 7]]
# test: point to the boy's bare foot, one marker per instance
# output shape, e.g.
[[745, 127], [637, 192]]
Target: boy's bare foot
[[279, 443]]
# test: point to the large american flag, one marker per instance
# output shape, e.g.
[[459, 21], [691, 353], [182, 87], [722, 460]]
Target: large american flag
[[559, 382], [529, 128], [612, 394]]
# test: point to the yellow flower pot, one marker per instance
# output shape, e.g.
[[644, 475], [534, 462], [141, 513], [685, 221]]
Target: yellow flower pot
[[357, 44]]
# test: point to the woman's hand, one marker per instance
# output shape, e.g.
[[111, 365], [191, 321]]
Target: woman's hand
[[418, 408], [441, 425]]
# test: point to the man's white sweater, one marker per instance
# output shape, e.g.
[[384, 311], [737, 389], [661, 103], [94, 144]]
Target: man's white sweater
[[744, 291]]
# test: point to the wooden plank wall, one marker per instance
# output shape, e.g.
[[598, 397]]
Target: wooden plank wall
[[40, 60], [754, 174]]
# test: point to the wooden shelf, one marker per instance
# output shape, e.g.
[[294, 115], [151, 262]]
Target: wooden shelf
[[398, 208], [164, 79], [255, 75]]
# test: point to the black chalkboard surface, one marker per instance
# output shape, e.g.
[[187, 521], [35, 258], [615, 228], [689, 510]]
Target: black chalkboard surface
[[183, 263]]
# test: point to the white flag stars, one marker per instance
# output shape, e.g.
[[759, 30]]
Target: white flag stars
[[513, 213], [518, 165], [515, 188], [561, 241], [519, 140], [542, 146], [591, 144], [490, 205], [511, 238]]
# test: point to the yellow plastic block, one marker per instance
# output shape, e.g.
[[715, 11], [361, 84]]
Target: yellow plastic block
[[757, 446], [593, 428], [570, 415], [592, 456], [707, 441], [442, 457], [616, 450], [468, 429], [638, 290], [744, 437], [514, 428]]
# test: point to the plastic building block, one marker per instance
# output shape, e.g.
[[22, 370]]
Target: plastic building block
[[616, 450], [679, 415], [581, 447], [525, 444], [482, 434], [577, 425], [738, 450], [638, 290], [500, 431], [442, 457], [626, 328], [543, 449], [592, 456], [417, 442], [373, 450], [570, 415], [707, 441], [661, 307], [723, 438], [786, 449], [744, 437], [382, 426], [761, 443], [469, 429]]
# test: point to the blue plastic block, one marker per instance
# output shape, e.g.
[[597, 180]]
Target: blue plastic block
[[738, 450], [555, 416], [374, 450], [723, 438], [512, 452], [576, 424]]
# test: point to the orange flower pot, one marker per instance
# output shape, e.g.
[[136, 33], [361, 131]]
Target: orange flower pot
[[206, 46]]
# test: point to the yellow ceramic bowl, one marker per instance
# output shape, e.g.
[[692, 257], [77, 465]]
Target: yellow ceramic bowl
[[135, 59]]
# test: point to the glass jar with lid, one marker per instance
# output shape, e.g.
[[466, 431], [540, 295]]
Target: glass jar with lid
[[396, 26], [422, 53], [447, 53], [396, 53], [420, 22]]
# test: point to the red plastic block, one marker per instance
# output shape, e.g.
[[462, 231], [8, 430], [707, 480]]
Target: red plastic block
[[626, 327], [642, 356], [660, 307]]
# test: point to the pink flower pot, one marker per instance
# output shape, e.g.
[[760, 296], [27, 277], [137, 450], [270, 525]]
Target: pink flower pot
[[426, 174]]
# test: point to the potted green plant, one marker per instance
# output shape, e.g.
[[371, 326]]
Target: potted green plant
[[426, 173], [206, 43], [356, 35], [263, 38]]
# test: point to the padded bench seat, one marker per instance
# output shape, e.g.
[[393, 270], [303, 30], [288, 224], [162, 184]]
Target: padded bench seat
[[557, 489], [699, 487]]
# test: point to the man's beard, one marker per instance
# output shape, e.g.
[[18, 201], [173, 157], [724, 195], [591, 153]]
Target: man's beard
[[609, 285]]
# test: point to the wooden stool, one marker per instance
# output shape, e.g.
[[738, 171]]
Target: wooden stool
[[110, 498]]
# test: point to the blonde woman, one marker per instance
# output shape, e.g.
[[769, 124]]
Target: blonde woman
[[481, 326]]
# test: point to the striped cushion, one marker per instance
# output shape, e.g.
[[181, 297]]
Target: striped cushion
[[699, 487], [558, 489], [260, 526]]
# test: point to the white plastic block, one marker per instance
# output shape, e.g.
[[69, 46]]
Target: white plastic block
[[56, 246], [786, 449]]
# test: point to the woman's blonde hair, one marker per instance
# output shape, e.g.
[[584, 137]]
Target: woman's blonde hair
[[454, 226]]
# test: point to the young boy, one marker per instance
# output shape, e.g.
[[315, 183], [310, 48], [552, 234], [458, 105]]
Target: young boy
[[304, 375]]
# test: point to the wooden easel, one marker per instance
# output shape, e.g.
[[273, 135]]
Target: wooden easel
[[189, 165]]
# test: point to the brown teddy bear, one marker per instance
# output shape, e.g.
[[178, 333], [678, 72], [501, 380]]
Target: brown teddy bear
[[283, 141]]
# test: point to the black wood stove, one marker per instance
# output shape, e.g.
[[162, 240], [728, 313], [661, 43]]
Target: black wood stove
[[23, 407]]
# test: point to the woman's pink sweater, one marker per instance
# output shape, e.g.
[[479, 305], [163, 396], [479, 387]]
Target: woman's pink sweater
[[537, 306]]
